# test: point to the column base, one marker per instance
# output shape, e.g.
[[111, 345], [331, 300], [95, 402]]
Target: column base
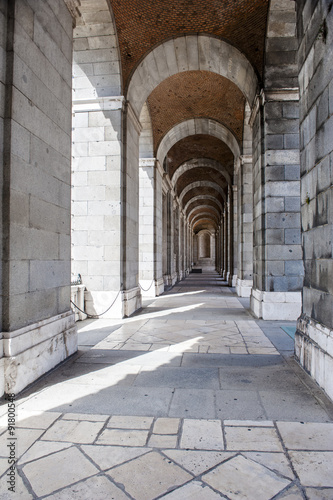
[[77, 296], [314, 351], [276, 305], [132, 301], [152, 288], [244, 287], [35, 349], [125, 303], [232, 280], [170, 279]]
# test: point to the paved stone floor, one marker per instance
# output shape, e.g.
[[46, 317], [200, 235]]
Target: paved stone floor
[[189, 399]]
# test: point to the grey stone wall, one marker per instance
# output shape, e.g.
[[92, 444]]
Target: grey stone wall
[[314, 335], [278, 266], [315, 27], [3, 38], [37, 158]]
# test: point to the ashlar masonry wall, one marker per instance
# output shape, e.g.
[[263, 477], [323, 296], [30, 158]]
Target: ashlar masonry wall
[[278, 266], [37, 318], [314, 336]]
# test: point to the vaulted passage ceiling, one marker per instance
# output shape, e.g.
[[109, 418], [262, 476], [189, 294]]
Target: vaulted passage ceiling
[[143, 25], [198, 94]]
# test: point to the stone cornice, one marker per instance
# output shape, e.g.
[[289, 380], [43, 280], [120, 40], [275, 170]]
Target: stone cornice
[[272, 95], [111, 103]]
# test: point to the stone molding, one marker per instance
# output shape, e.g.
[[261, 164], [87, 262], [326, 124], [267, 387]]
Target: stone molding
[[276, 305], [111, 103], [244, 287], [245, 159], [147, 162], [132, 301], [51, 341], [314, 351], [278, 95]]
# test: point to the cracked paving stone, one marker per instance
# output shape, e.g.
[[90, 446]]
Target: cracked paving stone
[[149, 476], [46, 475], [243, 479]]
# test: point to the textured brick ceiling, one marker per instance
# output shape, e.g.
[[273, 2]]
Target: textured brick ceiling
[[199, 94], [142, 24], [199, 203], [202, 191], [199, 146], [200, 174]]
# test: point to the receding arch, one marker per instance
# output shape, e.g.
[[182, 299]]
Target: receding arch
[[96, 71], [203, 197], [204, 215], [201, 207], [187, 53], [198, 163], [202, 184], [208, 223], [193, 127]]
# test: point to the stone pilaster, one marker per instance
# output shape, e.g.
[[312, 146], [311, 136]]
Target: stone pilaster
[[150, 227], [278, 266], [245, 227]]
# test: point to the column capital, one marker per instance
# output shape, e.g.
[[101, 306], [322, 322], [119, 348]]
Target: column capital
[[245, 159], [271, 95], [110, 103], [147, 162]]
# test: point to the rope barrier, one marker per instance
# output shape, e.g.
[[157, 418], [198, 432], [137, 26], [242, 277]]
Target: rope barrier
[[144, 290], [96, 316]]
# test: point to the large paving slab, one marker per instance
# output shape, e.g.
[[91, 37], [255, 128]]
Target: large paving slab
[[191, 398]]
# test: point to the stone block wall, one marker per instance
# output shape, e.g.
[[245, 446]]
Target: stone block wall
[[314, 337], [3, 38], [97, 159], [278, 266], [37, 155]]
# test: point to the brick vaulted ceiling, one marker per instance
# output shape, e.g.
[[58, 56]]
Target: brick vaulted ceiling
[[197, 94], [142, 25]]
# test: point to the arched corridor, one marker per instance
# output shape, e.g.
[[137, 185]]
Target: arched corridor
[[166, 177], [176, 398]]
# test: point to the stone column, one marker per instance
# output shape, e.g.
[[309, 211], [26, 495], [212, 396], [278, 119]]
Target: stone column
[[278, 266], [97, 202], [131, 294], [217, 248], [150, 228], [245, 230], [181, 246], [189, 247], [314, 334], [225, 243], [221, 263], [233, 278], [170, 276], [176, 256], [165, 233], [38, 329]]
